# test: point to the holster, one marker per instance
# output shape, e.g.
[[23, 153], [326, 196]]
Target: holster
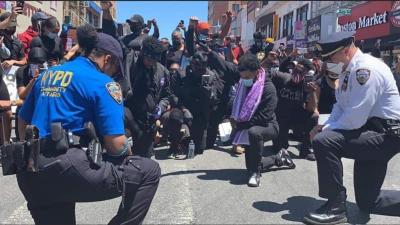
[[59, 138], [23, 155], [94, 149], [388, 127]]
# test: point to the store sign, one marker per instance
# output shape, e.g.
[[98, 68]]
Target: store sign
[[366, 21], [299, 30], [394, 14], [314, 29]]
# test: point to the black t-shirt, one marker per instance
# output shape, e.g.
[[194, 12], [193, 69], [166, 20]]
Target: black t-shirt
[[327, 97], [291, 96], [23, 76]]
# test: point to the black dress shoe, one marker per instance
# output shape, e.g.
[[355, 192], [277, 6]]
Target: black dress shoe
[[332, 212]]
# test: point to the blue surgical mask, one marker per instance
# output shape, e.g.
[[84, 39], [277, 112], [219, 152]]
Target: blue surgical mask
[[247, 82]]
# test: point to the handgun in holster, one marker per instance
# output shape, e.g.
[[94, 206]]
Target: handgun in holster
[[94, 149], [389, 127], [22, 155]]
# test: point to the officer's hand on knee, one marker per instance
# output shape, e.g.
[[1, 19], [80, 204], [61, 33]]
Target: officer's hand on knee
[[315, 131]]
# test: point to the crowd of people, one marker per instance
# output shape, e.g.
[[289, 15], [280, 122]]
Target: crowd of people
[[174, 92]]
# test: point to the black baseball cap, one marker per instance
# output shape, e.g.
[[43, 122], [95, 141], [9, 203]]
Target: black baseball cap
[[38, 16], [136, 19], [111, 45]]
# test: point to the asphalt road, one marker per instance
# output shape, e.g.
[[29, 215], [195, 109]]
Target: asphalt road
[[211, 189]]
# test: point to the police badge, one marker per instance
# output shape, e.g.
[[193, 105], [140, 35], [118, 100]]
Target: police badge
[[362, 76], [114, 89]]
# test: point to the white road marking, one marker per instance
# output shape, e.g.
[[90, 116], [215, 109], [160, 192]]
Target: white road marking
[[181, 210]]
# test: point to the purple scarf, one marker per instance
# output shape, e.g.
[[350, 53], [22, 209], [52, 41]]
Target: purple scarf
[[245, 105]]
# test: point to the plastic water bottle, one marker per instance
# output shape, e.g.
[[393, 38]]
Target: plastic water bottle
[[191, 150]]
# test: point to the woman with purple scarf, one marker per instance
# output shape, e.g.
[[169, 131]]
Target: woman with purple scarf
[[253, 114]]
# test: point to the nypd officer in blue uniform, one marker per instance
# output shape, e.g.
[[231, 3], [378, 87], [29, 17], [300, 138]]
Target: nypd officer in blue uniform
[[73, 94], [364, 126]]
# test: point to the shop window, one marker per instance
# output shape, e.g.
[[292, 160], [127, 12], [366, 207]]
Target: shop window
[[235, 8], [301, 13], [53, 5], [279, 28], [287, 25]]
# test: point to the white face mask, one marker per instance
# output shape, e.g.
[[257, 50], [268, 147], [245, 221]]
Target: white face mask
[[335, 68]]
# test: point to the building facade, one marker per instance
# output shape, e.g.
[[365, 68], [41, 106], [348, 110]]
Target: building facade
[[216, 10], [78, 13], [51, 8]]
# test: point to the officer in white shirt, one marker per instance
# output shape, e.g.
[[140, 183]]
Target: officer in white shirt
[[364, 126]]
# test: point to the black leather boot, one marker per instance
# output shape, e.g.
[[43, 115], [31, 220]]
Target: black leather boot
[[332, 212]]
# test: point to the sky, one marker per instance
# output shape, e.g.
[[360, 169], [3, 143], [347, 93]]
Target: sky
[[167, 13]]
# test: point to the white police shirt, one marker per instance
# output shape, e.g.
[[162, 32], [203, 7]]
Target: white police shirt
[[367, 88]]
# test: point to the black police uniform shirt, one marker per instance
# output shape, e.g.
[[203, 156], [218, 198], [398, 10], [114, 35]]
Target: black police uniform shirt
[[73, 94]]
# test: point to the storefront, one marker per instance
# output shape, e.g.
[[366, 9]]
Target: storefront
[[265, 24], [394, 17], [313, 32], [373, 23]]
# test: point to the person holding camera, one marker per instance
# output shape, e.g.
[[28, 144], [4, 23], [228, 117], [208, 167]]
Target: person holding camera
[[198, 95], [293, 89]]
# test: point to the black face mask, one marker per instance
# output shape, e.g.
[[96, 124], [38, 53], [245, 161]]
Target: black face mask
[[10, 32], [136, 28], [176, 43]]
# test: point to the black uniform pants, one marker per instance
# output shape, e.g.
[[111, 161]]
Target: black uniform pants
[[300, 118], [68, 178], [371, 152], [257, 136]]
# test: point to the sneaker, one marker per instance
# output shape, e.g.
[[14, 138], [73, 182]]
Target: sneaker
[[254, 180], [283, 159], [171, 156]]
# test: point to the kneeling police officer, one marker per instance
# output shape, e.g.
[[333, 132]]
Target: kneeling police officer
[[73, 94], [364, 125]]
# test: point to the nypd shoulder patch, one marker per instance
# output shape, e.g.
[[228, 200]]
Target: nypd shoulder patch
[[114, 89], [362, 76]]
